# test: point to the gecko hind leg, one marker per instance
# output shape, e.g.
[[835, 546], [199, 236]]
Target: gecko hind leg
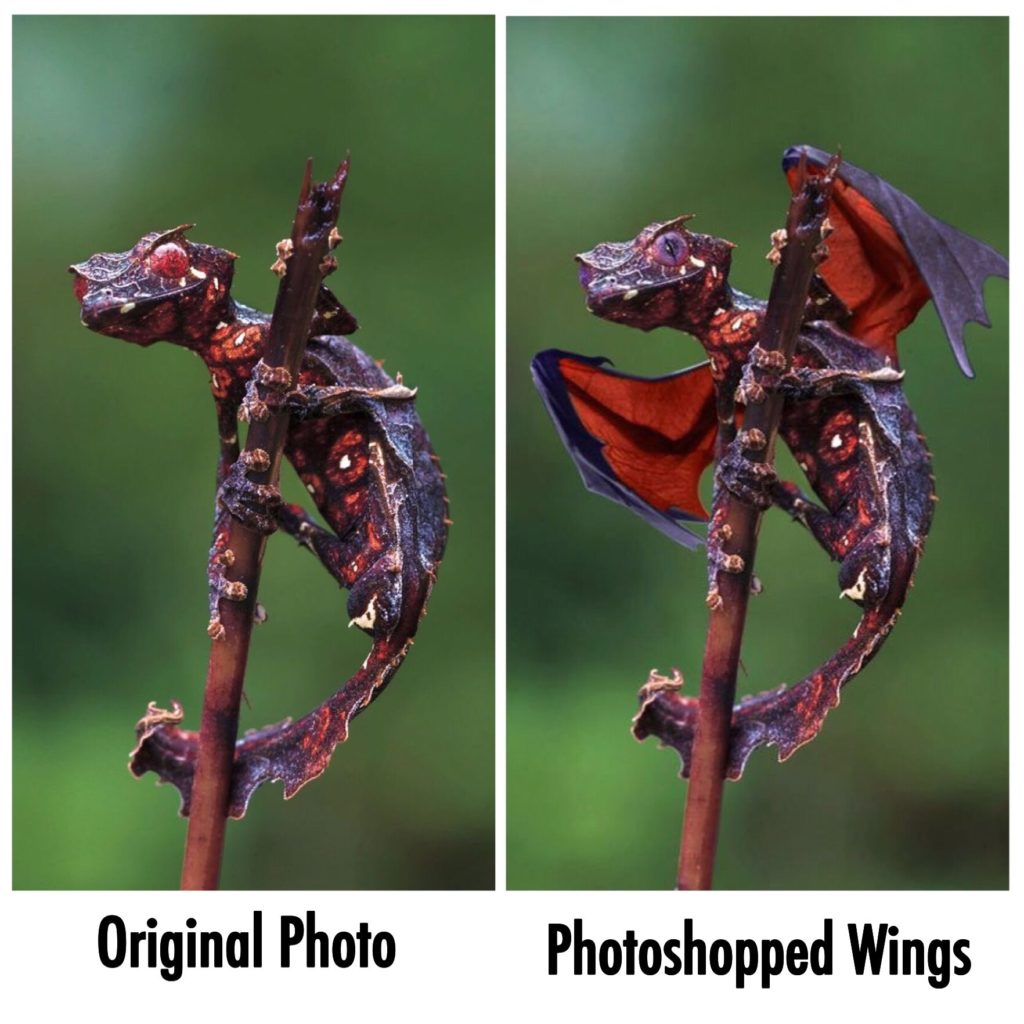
[[824, 527], [333, 552]]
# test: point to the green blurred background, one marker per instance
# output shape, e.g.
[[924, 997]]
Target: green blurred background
[[615, 123], [126, 125]]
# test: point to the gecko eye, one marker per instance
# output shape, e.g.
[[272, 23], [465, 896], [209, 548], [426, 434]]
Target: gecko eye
[[670, 249], [169, 260]]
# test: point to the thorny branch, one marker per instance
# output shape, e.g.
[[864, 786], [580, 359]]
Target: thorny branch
[[738, 524], [304, 262]]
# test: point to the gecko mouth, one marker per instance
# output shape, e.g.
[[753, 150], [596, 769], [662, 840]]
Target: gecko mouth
[[612, 297], [604, 289], [101, 304], [640, 304], [142, 322]]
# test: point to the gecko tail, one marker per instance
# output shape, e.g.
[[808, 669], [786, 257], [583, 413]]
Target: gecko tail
[[786, 718], [292, 753]]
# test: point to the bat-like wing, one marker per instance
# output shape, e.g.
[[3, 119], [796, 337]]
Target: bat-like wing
[[642, 442], [887, 257]]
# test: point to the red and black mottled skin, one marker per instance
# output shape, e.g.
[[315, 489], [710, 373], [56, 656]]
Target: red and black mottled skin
[[845, 419], [355, 442]]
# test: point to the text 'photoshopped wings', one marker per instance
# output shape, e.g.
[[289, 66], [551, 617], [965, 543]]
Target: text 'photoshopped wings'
[[642, 442], [888, 256]]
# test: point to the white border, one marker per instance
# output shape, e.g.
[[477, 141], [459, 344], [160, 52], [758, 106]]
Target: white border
[[468, 956]]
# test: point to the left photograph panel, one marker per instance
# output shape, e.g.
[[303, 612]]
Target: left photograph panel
[[221, 562]]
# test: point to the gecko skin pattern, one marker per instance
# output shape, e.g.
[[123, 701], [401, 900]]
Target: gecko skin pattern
[[358, 447], [646, 442]]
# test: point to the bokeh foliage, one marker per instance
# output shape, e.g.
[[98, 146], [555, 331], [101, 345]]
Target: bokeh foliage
[[125, 125], [616, 123]]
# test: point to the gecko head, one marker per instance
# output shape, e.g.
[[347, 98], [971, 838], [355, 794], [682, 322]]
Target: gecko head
[[667, 275], [163, 288], [375, 601]]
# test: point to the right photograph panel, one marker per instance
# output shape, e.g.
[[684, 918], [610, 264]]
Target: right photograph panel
[[757, 453]]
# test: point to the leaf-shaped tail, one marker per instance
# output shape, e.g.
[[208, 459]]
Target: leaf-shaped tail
[[290, 752], [786, 718]]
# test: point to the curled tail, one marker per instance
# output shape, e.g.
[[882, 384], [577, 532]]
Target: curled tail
[[290, 752], [786, 718]]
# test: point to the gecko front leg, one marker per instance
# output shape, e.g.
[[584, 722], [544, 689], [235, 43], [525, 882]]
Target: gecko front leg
[[219, 586], [719, 531], [255, 504]]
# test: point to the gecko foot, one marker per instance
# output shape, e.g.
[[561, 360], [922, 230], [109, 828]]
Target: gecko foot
[[255, 505], [751, 482]]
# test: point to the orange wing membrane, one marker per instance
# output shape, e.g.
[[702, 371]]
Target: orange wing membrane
[[642, 442]]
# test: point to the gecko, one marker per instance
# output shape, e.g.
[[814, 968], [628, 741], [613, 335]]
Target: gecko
[[645, 442], [354, 440]]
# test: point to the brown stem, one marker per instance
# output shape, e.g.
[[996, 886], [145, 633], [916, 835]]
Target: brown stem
[[315, 217], [782, 321]]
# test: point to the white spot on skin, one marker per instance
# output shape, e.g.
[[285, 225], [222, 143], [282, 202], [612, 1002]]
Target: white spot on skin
[[216, 283], [345, 462], [197, 273], [696, 262], [803, 466], [837, 441], [737, 323], [857, 591], [368, 618], [182, 282], [311, 488], [631, 294], [714, 273], [240, 340], [221, 325], [127, 307]]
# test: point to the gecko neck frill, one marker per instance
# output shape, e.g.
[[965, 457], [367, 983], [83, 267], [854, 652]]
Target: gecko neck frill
[[231, 340], [702, 319]]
